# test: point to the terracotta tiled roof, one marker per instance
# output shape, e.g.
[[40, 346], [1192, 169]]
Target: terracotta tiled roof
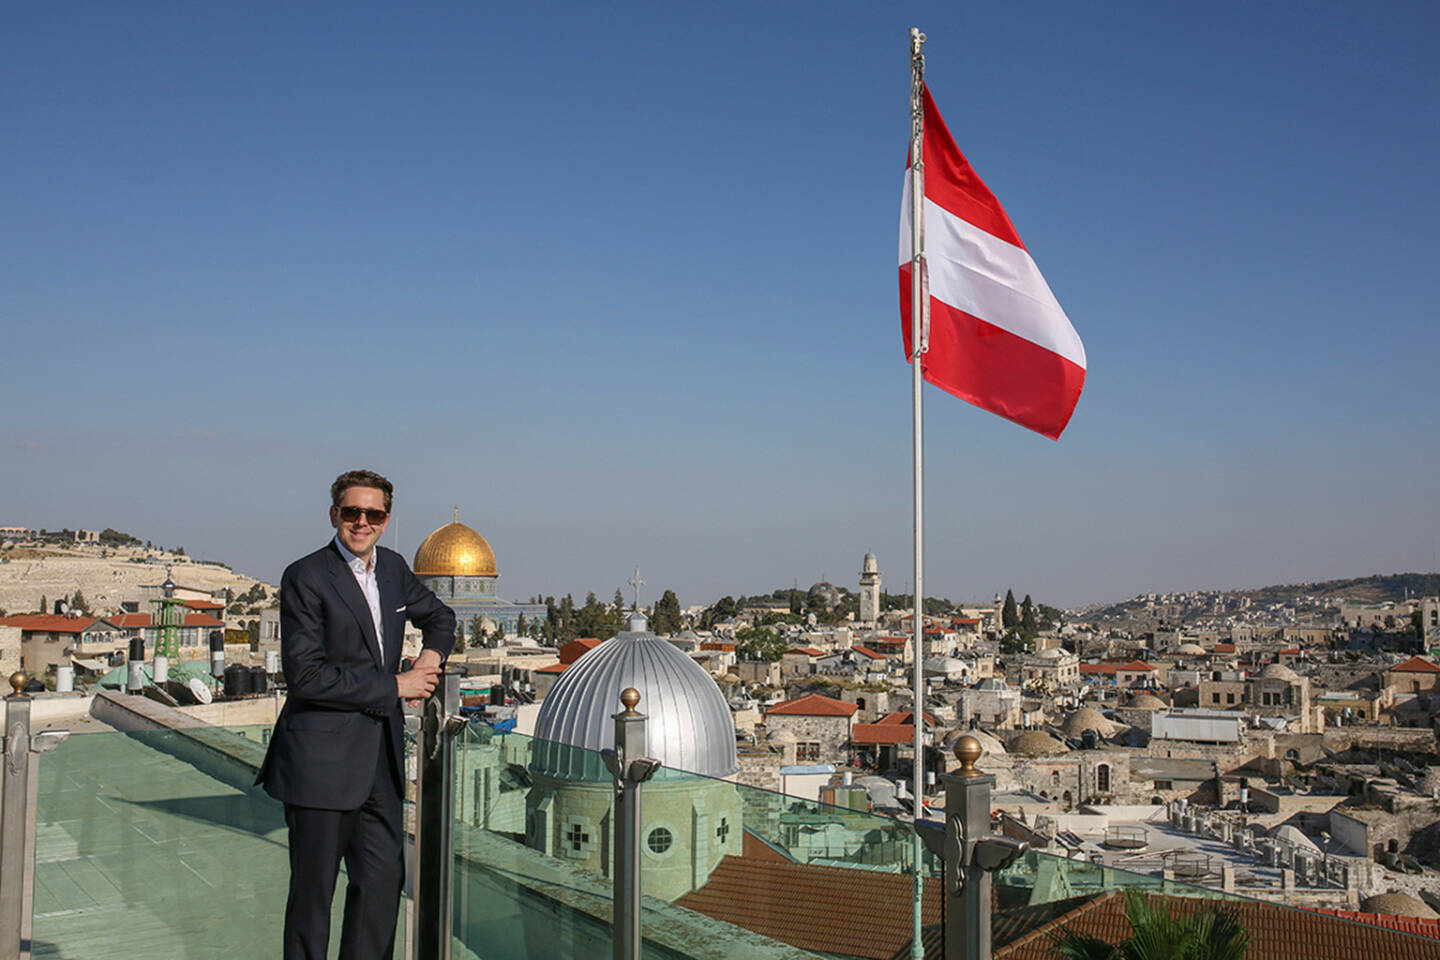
[[867, 652], [577, 648], [806, 651], [1100, 669], [966, 621], [202, 620], [906, 717], [830, 910], [813, 705], [753, 847], [1419, 926], [1224, 648], [879, 734], [1276, 932], [1416, 665], [554, 668], [204, 605], [49, 622], [1135, 665]]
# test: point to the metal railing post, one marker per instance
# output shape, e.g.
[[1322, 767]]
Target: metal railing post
[[971, 854], [16, 828], [435, 818], [629, 774]]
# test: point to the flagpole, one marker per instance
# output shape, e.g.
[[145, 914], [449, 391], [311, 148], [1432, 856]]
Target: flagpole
[[919, 334]]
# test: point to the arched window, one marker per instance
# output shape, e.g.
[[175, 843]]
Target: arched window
[[1102, 778], [1054, 778]]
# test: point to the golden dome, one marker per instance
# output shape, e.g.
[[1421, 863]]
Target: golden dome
[[455, 551]]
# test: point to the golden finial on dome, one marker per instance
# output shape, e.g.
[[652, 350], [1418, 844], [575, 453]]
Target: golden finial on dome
[[968, 751], [630, 697]]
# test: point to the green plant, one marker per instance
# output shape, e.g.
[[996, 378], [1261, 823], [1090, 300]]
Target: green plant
[[1157, 934]]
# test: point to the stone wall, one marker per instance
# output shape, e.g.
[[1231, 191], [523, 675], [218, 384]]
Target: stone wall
[[9, 653], [832, 733], [1414, 739]]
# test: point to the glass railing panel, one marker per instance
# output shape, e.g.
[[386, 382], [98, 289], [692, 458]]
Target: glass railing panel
[[722, 863], [156, 844], [778, 873], [532, 851]]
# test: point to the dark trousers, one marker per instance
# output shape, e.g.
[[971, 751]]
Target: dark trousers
[[371, 842]]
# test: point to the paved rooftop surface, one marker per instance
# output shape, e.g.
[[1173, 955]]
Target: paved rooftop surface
[[139, 854]]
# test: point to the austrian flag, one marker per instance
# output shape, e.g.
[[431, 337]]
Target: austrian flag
[[998, 337]]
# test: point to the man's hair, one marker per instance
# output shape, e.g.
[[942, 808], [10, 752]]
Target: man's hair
[[361, 478]]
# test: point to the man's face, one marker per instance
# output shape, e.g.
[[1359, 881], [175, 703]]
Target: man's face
[[352, 519]]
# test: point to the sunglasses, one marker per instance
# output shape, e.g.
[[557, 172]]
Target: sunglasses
[[353, 515]]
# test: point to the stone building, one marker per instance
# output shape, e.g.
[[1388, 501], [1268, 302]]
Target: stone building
[[1043, 765], [818, 727], [1416, 675], [869, 590], [1055, 667]]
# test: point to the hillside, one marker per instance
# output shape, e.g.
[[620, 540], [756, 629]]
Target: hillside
[[1376, 588], [28, 573]]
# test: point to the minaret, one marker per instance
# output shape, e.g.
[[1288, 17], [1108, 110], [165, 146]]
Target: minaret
[[869, 590]]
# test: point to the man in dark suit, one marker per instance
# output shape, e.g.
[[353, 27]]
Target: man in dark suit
[[337, 753]]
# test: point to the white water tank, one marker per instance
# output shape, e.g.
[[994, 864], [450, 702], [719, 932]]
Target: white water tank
[[64, 678]]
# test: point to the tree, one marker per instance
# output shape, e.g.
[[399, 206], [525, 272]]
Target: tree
[[552, 620], [44, 603], [619, 601], [460, 636], [1028, 628], [520, 625], [759, 643], [667, 614], [1157, 934], [1009, 616]]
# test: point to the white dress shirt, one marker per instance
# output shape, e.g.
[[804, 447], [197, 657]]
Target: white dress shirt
[[365, 576]]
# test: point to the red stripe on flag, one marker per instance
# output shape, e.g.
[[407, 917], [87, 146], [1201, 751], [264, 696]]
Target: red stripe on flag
[[994, 369], [951, 182]]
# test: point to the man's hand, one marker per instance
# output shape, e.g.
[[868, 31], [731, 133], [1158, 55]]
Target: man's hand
[[416, 683], [428, 658]]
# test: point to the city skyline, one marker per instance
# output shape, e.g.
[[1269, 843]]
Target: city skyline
[[620, 284]]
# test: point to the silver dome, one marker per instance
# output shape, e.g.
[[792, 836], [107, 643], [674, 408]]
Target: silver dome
[[689, 728]]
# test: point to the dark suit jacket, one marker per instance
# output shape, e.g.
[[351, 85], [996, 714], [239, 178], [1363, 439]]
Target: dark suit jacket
[[340, 696]]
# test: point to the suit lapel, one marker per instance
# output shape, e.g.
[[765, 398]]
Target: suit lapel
[[354, 598], [388, 579]]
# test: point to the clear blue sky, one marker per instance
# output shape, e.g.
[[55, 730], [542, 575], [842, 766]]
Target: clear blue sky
[[620, 281]]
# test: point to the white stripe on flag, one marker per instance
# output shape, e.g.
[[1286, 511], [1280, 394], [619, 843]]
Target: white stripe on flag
[[989, 278]]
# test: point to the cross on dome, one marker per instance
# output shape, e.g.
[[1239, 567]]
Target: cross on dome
[[636, 583]]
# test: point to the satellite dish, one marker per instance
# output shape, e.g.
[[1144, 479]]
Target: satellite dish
[[201, 691]]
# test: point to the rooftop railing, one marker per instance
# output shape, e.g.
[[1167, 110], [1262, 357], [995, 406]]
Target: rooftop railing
[[154, 843]]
